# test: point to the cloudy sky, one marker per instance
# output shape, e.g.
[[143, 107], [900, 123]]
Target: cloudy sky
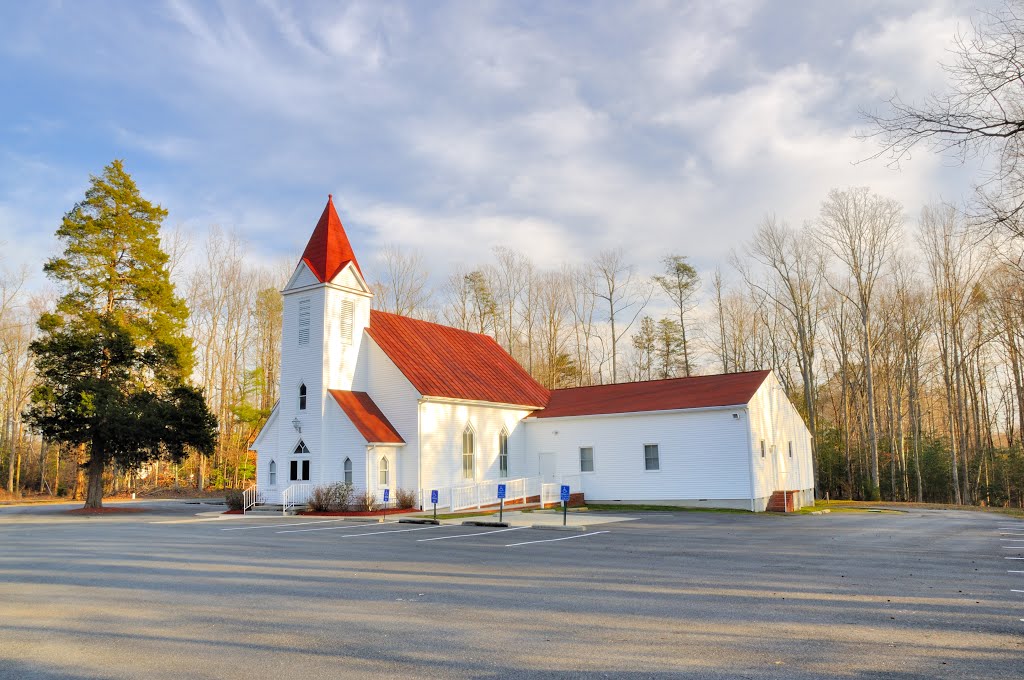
[[554, 128]]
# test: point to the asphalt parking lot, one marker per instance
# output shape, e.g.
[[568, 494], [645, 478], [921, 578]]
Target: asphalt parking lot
[[166, 594]]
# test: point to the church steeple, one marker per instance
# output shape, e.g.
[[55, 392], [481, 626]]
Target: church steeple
[[328, 250]]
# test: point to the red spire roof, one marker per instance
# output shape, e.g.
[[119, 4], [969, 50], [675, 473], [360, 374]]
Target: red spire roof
[[328, 250]]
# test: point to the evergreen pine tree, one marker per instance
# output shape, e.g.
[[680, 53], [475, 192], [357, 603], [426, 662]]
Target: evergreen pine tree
[[113, 359]]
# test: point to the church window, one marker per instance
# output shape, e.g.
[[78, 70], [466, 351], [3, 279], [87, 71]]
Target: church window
[[348, 470], [382, 471], [468, 452], [300, 471], [304, 321], [302, 397], [301, 447], [272, 470], [503, 453]]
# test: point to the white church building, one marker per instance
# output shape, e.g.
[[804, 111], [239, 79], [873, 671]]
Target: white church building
[[383, 401]]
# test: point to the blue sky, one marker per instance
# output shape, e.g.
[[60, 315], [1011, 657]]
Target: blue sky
[[554, 128]]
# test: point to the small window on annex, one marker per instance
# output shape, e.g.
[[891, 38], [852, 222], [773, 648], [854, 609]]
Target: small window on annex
[[791, 449], [272, 473], [382, 473], [302, 397], [586, 459], [762, 448], [652, 459], [468, 452], [300, 471], [348, 470], [503, 454]]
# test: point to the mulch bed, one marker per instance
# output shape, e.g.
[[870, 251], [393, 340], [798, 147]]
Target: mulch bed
[[373, 513], [102, 511]]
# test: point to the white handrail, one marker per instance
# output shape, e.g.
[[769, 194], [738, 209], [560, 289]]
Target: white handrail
[[294, 495], [250, 497]]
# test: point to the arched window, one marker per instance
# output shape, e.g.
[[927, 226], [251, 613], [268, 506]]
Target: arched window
[[272, 470], [302, 397], [468, 451], [503, 453], [382, 474], [301, 447], [348, 470]]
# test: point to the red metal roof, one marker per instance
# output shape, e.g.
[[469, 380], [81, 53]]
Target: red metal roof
[[441, 361], [655, 395], [367, 417], [328, 250]]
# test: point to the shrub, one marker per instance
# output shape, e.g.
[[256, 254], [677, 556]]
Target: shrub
[[234, 499], [365, 502], [405, 499], [330, 498]]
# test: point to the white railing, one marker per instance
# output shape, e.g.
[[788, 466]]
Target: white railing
[[478, 494], [296, 494], [550, 493], [251, 497]]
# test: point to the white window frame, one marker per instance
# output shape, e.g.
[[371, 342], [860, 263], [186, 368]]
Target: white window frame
[[302, 466], [300, 448], [503, 453], [471, 433], [346, 470], [383, 469], [302, 396], [272, 473], [657, 448], [593, 459]]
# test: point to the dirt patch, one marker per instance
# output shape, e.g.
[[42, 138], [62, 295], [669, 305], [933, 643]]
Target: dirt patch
[[102, 511]]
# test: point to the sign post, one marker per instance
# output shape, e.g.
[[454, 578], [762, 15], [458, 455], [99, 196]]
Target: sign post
[[565, 502], [387, 495], [501, 500], [433, 499]]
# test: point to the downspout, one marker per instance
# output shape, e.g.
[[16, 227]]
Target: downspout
[[419, 452], [750, 455]]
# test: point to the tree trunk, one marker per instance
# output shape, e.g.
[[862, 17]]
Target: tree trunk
[[94, 491]]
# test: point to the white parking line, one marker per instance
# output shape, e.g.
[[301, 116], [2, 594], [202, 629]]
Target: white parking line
[[292, 524], [564, 538], [1013, 547], [188, 521], [1015, 571], [365, 533], [479, 533], [1016, 591], [1013, 558]]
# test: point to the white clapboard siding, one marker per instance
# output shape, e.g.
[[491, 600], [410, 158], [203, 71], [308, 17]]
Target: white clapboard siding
[[776, 420], [441, 426], [704, 454]]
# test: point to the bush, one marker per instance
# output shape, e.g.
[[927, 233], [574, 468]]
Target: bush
[[235, 499], [330, 498], [366, 502], [405, 499]]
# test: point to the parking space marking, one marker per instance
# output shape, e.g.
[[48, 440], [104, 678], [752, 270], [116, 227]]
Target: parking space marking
[[1013, 558], [479, 533], [188, 521], [567, 538], [1014, 571], [365, 533], [293, 524]]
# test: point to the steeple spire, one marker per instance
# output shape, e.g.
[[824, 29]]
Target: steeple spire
[[328, 250]]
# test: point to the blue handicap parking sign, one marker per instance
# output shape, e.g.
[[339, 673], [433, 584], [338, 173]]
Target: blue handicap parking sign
[[387, 495], [501, 491], [433, 496], [565, 493]]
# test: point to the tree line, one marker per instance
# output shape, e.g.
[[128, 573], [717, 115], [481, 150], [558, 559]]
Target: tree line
[[897, 334]]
